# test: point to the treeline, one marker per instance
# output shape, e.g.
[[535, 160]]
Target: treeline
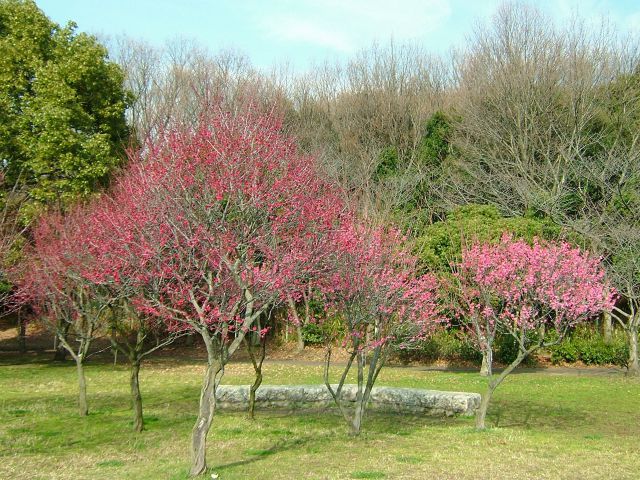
[[537, 120]]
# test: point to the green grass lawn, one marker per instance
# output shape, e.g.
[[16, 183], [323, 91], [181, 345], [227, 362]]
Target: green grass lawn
[[546, 426]]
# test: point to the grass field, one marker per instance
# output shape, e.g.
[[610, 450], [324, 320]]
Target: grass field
[[546, 426]]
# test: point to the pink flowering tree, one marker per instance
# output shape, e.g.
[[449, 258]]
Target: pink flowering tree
[[226, 220], [380, 302], [524, 290], [111, 222], [52, 282]]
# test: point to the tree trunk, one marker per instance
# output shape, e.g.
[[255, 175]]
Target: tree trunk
[[136, 397], [83, 408], [22, 335], [62, 330], [607, 326], [257, 367], [252, 393], [634, 366], [481, 414], [205, 417], [486, 369], [356, 422], [300, 338], [356, 425]]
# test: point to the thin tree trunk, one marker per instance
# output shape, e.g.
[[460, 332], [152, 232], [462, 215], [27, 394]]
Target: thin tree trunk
[[83, 408], [356, 422], [206, 411], [634, 366], [299, 338], [22, 335], [337, 394], [257, 367], [136, 397], [481, 414], [486, 369], [376, 362], [607, 326]]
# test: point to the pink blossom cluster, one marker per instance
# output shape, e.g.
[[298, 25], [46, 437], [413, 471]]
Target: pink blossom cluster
[[522, 285], [205, 227], [377, 289]]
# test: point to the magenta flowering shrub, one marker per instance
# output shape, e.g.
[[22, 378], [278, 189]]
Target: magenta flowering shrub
[[522, 290], [521, 286]]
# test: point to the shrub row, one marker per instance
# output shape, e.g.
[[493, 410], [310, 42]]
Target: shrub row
[[588, 346], [584, 344]]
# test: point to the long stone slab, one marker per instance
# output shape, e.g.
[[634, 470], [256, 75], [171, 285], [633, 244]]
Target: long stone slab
[[317, 397]]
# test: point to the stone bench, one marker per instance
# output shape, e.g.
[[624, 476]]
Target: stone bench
[[317, 397]]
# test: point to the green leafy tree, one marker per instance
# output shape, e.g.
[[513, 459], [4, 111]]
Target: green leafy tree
[[62, 105], [443, 242]]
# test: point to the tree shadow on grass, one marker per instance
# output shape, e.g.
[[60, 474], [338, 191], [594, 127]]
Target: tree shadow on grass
[[257, 455], [324, 428], [530, 415]]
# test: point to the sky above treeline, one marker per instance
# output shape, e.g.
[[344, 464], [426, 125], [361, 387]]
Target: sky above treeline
[[303, 32]]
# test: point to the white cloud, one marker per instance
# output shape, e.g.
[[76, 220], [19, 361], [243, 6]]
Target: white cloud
[[296, 29], [346, 25]]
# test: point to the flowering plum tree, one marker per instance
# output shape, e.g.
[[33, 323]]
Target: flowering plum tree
[[523, 290], [381, 301], [115, 231], [52, 281], [224, 221]]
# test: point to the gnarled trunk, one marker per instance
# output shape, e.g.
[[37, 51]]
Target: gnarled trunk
[[206, 411]]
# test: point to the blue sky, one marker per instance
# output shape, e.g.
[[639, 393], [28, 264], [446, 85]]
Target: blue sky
[[307, 31]]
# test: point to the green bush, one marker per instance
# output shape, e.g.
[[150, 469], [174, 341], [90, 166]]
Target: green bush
[[313, 334], [588, 346], [505, 349], [450, 346], [443, 345], [566, 351]]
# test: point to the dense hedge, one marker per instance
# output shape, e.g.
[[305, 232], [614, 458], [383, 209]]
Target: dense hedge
[[588, 346]]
